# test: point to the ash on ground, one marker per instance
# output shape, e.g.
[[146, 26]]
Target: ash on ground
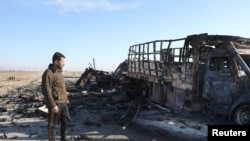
[[102, 115]]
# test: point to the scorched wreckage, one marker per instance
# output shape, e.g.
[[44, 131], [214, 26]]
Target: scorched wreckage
[[199, 73]]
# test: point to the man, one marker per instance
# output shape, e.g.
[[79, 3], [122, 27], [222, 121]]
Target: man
[[54, 91]]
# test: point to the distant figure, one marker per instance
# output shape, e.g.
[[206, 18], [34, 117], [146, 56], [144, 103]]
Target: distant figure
[[54, 91]]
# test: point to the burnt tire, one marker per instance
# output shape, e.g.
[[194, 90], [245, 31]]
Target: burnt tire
[[242, 115]]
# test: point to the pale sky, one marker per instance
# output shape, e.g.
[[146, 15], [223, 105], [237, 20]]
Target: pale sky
[[103, 30]]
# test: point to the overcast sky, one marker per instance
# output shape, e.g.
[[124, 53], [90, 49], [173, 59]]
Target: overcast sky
[[102, 30]]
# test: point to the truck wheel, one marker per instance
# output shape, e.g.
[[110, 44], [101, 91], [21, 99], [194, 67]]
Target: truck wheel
[[242, 115]]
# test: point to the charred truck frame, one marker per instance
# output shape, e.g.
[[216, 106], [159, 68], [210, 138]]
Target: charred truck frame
[[196, 73]]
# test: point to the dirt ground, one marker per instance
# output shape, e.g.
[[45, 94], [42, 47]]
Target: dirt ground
[[94, 116]]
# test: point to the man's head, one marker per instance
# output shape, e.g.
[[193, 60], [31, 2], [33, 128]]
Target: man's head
[[58, 60]]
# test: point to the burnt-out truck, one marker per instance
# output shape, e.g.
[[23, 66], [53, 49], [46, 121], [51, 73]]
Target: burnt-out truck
[[197, 73]]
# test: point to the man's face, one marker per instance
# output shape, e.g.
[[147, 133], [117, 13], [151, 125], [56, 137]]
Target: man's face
[[60, 63]]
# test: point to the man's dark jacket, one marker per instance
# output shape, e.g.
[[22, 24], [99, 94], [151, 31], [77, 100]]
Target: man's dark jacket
[[53, 86]]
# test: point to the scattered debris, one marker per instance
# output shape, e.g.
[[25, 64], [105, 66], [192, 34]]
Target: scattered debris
[[23, 110]]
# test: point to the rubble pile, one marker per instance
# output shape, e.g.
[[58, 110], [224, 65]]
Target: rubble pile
[[95, 114], [23, 113]]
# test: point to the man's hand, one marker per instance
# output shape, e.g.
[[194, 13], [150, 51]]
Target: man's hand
[[68, 103], [55, 109]]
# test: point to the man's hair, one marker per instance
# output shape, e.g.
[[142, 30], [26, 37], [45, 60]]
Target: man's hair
[[57, 56]]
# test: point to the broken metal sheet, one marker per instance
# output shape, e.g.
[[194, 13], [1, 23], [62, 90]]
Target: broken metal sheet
[[43, 109]]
